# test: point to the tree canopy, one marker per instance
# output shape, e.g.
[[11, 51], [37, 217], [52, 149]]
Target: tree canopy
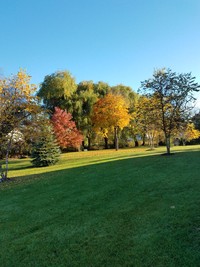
[[57, 90]]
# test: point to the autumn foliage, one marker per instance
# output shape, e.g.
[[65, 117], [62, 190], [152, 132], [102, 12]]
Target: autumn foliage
[[65, 129], [17, 107], [187, 132], [110, 112]]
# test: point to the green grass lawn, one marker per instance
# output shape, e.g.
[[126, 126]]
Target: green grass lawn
[[105, 208]]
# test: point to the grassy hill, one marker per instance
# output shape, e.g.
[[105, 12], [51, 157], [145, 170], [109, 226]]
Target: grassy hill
[[105, 208]]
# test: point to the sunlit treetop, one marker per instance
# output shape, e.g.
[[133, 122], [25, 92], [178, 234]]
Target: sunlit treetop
[[111, 111]]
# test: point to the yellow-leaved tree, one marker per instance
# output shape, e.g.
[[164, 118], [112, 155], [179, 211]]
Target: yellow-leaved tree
[[145, 119], [18, 104], [187, 132], [110, 114]]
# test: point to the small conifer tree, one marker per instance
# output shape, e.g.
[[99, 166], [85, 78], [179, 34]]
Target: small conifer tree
[[45, 150]]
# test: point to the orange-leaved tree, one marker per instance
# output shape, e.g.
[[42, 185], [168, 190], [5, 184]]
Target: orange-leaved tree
[[65, 129], [111, 113]]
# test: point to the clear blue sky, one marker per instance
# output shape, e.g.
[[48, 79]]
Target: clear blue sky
[[116, 41]]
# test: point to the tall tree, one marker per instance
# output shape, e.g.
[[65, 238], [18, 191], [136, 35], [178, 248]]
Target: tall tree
[[111, 113], [85, 99], [65, 129], [131, 99], [174, 95], [18, 104], [57, 90]]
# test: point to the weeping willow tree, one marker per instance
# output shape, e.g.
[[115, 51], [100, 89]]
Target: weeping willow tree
[[57, 90]]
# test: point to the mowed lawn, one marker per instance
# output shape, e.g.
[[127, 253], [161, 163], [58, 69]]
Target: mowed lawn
[[129, 207]]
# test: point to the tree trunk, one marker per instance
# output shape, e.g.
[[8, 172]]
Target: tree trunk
[[89, 142], [116, 139], [83, 144], [151, 142], [143, 140], [106, 142], [167, 139], [7, 156]]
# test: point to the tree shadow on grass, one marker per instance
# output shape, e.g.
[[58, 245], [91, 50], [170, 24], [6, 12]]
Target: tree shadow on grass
[[120, 166], [19, 167]]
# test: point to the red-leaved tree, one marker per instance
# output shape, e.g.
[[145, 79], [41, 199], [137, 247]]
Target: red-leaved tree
[[65, 129]]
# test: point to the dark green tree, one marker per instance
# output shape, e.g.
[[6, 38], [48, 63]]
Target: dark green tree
[[45, 151]]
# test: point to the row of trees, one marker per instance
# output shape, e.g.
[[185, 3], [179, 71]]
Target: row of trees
[[60, 90], [86, 113], [161, 110]]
